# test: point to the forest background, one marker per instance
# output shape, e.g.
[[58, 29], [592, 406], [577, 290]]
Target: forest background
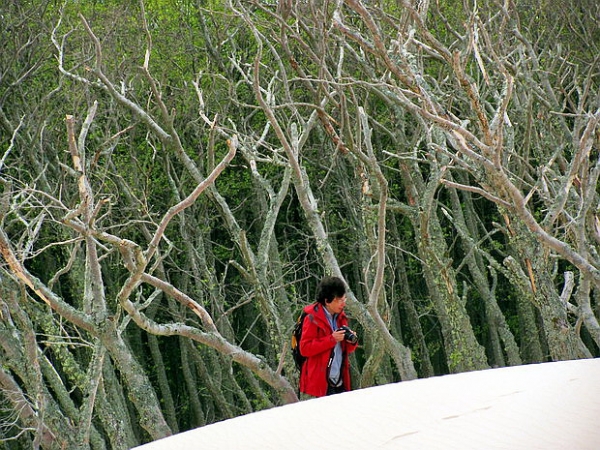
[[176, 176]]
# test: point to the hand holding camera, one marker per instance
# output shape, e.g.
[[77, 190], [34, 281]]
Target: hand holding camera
[[349, 335]]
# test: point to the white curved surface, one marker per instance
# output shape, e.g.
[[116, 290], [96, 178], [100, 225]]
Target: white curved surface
[[539, 406]]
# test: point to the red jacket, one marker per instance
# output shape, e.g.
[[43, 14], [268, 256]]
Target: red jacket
[[316, 345]]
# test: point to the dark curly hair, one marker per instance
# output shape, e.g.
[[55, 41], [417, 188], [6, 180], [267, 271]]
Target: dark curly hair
[[330, 288]]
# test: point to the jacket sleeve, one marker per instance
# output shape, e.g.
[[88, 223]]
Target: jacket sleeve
[[348, 346], [314, 339]]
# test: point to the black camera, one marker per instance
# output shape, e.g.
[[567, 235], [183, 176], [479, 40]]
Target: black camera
[[348, 334]]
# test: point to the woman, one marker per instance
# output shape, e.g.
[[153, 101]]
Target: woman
[[325, 344]]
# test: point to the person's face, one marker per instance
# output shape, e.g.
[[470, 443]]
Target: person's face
[[337, 305]]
